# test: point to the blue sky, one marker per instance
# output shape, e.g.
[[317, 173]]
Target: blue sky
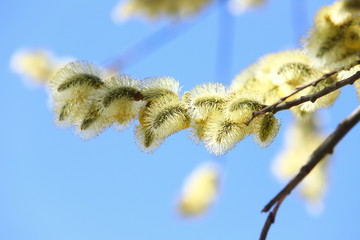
[[55, 186]]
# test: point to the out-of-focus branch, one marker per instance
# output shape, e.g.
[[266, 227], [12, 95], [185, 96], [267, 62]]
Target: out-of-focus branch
[[154, 42], [147, 45], [327, 147], [283, 105]]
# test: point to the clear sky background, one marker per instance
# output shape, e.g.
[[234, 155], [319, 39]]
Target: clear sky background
[[55, 186]]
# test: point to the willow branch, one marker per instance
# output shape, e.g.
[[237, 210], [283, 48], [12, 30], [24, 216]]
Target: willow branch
[[270, 220], [146, 46], [283, 105], [154, 42], [327, 147]]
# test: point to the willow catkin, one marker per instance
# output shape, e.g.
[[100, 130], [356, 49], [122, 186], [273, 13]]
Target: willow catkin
[[71, 89]]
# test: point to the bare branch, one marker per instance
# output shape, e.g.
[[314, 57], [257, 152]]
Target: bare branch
[[270, 220], [300, 88], [313, 97], [281, 105], [327, 147]]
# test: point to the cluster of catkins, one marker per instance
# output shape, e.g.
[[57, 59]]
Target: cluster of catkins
[[333, 44], [277, 75], [92, 100], [334, 41]]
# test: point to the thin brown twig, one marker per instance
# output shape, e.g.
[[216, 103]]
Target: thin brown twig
[[313, 84], [270, 220], [297, 89], [327, 147], [282, 104]]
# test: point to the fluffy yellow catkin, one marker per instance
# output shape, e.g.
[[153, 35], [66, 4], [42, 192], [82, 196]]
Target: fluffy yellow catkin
[[241, 104], [119, 99], [221, 133], [156, 87], [71, 89], [334, 41], [304, 138], [200, 190], [162, 115], [161, 118], [158, 9], [266, 129], [203, 101], [276, 75], [114, 103]]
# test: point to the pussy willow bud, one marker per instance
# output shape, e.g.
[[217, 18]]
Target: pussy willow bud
[[160, 119], [157, 87], [203, 101], [221, 133], [266, 129], [71, 89]]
